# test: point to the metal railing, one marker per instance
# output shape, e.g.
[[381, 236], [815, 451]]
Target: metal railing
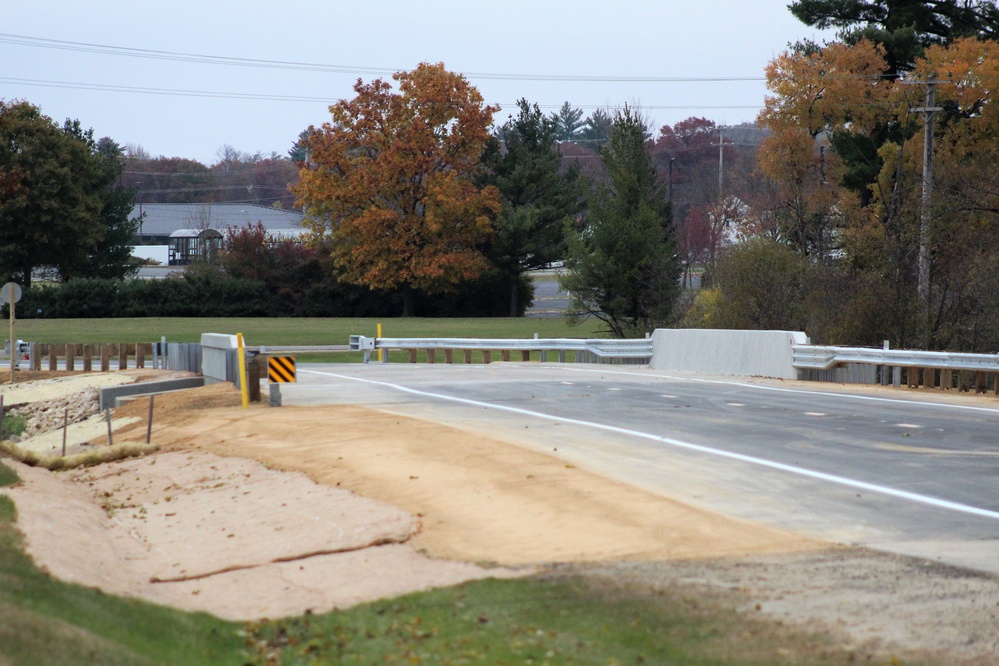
[[812, 357], [592, 350]]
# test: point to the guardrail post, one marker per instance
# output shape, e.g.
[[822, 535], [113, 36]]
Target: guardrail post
[[981, 382], [123, 356], [140, 355], [946, 379], [412, 356], [505, 355], [431, 356], [525, 355], [485, 356], [105, 357], [70, 358], [88, 361], [468, 355], [449, 356]]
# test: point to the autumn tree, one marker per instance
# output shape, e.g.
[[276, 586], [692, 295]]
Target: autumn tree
[[390, 180], [621, 265], [539, 198]]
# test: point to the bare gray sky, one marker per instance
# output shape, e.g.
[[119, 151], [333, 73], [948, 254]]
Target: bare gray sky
[[591, 53]]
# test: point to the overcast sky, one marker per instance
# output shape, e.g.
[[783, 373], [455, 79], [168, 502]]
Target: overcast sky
[[509, 49]]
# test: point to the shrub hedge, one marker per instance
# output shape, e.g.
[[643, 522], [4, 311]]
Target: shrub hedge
[[203, 294]]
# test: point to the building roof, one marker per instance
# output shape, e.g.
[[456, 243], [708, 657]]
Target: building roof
[[165, 219]]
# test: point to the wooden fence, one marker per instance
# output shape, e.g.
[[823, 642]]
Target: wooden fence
[[88, 358]]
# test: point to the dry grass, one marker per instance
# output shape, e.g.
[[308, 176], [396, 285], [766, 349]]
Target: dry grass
[[86, 459]]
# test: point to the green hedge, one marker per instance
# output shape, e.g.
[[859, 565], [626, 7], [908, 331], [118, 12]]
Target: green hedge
[[218, 295]]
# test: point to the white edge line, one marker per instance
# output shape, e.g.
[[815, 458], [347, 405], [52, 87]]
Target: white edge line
[[800, 471]]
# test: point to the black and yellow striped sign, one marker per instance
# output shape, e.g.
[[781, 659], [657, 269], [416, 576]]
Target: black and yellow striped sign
[[281, 368]]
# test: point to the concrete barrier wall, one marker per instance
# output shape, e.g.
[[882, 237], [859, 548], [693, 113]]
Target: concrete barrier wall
[[215, 356], [751, 353]]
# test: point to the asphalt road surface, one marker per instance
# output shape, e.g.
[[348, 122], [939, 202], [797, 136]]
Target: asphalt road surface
[[899, 471]]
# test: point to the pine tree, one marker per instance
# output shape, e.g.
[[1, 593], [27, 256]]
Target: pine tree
[[622, 266]]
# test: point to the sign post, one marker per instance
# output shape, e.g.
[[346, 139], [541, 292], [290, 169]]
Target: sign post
[[11, 293]]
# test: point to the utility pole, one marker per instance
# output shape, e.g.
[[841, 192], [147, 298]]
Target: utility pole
[[926, 217]]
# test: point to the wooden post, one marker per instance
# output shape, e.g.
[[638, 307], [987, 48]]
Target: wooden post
[[485, 356], [525, 355], [468, 355], [36, 358], [929, 378], [963, 383], [449, 356], [981, 382], [149, 421], [65, 427], [505, 355], [88, 352], [105, 357], [123, 356], [53, 357], [412, 356], [140, 355], [431, 356], [912, 377], [107, 414], [996, 388], [70, 357], [253, 382], [946, 379]]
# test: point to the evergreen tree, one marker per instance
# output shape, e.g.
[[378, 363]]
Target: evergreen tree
[[539, 197], [568, 122], [597, 128], [904, 27], [621, 265]]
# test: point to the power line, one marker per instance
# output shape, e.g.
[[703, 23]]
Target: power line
[[23, 40]]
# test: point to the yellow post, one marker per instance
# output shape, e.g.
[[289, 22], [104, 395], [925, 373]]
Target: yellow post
[[242, 371], [378, 334]]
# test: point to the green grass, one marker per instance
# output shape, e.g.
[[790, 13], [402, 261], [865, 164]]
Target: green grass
[[288, 331], [563, 621], [45, 621], [8, 477]]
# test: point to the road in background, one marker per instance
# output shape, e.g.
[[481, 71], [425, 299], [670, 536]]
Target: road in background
[[907, 473]]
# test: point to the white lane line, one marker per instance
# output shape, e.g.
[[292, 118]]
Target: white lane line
[[752, 460], [851, 396]]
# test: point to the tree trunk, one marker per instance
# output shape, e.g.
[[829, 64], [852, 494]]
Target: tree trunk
[[514, 294], [407, 300]]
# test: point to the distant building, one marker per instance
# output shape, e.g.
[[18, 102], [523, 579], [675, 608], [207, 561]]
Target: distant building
[[188, 231]]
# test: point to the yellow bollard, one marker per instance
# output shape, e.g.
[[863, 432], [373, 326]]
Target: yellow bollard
[[242, 371], [378, 334]]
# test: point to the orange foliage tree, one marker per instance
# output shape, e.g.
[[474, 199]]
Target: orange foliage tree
[[389, 182]]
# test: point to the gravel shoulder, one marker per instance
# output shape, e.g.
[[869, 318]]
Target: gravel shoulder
[[267, 512]]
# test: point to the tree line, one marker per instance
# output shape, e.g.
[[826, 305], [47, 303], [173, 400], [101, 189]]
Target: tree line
[[816, 218]]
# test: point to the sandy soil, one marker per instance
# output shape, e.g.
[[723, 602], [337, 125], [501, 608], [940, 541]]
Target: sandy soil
[[247, 513]]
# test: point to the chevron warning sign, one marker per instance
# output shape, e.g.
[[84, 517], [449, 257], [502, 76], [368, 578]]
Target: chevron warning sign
[[281, 368]]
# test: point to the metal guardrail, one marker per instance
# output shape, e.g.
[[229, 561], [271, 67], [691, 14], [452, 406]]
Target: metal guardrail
[[297, 349], [811, 357], [599, 350]]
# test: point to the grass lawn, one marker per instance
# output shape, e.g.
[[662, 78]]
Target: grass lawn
[[288, 331]]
